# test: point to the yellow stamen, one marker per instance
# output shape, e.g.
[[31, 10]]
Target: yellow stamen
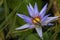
[[36, 19]]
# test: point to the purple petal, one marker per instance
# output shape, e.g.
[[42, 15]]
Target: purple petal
[[36, 9], [51, 19], [30, 10], [24, 27], [39, 31], [29, 26], [43, 20], [27, 19], [43, 11], [31, 7], [50, 24], [32, 26]]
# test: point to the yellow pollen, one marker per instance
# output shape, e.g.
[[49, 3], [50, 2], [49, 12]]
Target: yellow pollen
[[36, 19]]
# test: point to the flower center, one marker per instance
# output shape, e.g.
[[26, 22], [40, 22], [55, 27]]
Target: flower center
[[36, 20]]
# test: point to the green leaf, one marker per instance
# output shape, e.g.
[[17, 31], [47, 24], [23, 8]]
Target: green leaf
[[2, 36], [13, 3], [32, 37], [45, 35], [58, 4], [1, 2], [6, 9], [9, 17]]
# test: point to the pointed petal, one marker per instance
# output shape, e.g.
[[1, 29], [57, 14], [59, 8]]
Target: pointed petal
[[36, 9], [44, 18], [50, 24], [31, 7], [27, 19], [43, 11], [39, 31], [24, 27], [30, 10], [32, 26], [51, 19]]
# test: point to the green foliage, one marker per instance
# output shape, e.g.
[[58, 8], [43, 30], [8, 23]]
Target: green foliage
[[32, 37], [58, 1]]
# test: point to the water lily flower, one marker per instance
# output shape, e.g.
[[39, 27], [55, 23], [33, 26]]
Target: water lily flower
[[37, 19]]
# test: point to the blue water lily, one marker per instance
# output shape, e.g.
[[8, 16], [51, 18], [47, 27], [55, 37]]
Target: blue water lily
[[37, 19]]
